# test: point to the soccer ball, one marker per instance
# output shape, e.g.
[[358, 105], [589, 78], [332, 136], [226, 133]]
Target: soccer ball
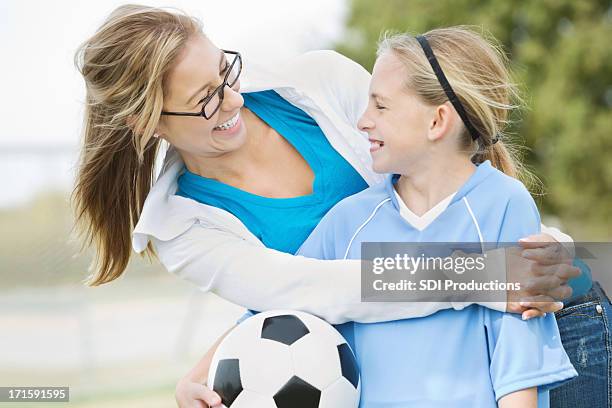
[[285, 359]]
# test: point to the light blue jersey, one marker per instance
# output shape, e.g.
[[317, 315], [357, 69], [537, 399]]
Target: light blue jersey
[[455, 358]]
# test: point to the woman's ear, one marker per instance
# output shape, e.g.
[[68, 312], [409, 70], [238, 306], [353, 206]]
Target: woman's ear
[[442, 122], [158, 134], [130, 121], [161, 130]]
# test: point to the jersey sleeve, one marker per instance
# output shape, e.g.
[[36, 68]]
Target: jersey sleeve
[[525, 354], [521, 217]]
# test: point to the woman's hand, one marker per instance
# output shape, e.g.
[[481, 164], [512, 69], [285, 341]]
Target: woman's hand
[[190, 394], [543, 267]]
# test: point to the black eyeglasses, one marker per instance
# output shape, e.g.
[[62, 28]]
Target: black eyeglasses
[[212, 102]]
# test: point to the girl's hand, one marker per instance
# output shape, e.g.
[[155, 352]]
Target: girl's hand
[[543, 267], [190, 394]]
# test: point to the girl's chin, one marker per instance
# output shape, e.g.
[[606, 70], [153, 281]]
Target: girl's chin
[[379, 167]]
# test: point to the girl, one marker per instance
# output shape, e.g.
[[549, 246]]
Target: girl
[[435, 119]]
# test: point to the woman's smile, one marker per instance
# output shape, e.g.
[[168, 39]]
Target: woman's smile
[[229, 127]]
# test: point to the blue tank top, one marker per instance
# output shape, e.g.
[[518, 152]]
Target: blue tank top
[[282, 223]]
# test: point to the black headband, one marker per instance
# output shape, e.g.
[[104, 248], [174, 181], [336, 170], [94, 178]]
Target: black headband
[[448, 90]]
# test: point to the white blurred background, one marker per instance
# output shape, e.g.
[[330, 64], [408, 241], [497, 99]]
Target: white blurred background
[[43, 93]]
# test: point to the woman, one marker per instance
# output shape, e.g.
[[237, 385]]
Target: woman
[[143, 61]]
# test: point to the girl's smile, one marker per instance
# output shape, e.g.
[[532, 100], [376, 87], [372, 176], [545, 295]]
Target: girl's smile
[[375, 145]]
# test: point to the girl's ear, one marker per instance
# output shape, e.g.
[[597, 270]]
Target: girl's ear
[[442, 122]]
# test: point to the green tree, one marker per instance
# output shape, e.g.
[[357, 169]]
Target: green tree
[[561, 55]]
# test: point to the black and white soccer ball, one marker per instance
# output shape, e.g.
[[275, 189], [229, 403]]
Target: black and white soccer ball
[[285, 359]]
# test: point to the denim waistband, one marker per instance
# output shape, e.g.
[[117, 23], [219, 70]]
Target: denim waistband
[[596, 293]]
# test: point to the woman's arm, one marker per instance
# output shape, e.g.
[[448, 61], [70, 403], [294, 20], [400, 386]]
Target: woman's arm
[[527, 398], [192, 390], [260, 278]]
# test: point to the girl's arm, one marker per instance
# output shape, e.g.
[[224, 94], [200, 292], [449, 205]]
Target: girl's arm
[[527, 398]]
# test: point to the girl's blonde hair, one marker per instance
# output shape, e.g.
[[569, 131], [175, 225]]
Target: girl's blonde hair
[[123, 65], [476, 69]]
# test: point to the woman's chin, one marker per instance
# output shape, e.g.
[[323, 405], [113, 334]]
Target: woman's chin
[[230, 141]]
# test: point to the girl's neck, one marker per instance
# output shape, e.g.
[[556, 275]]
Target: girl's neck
[[429, 181]]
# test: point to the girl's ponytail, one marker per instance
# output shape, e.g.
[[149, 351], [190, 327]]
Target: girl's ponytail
[[500, 157]]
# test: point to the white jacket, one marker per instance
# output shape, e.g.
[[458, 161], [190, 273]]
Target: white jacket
[[213, 249]]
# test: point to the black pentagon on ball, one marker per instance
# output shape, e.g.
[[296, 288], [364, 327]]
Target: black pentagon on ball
[[297, 393], [348, 364], [227, 381], [286, 329]]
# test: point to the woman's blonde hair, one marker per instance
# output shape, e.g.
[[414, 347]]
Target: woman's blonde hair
[[123, 65], [476, 69]]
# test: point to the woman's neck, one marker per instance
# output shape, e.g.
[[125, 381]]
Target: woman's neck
[[430, 181], [236, 166]]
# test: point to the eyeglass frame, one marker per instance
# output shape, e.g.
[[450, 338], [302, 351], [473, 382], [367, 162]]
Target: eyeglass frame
[[219, 90]]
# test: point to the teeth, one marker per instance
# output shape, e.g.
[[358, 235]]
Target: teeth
[[229, 124]]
